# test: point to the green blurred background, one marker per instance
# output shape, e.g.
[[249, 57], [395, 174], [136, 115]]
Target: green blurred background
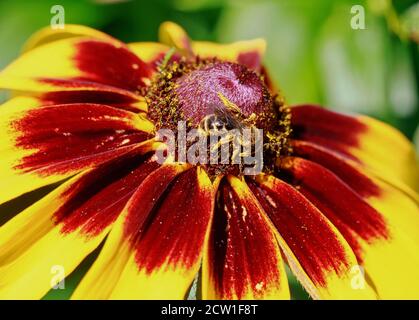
[[313, 53]]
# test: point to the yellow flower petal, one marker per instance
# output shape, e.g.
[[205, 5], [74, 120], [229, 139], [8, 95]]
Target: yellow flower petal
[[388, 151], [31, 247], [48, 34], [248, 52], [175, 36], [77, 62], [150, 52], [379, 219]]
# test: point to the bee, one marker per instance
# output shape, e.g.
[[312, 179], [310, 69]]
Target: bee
[[221, 120], [225, 117], [228, 125]]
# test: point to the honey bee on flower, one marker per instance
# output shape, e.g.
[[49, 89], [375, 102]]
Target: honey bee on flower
[[334, 192]]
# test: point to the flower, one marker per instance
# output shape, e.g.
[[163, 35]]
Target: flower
[[336, 200]]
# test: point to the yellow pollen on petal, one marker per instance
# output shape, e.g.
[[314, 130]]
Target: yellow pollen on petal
[[259, 286], [146, 81], [244, 213], [271, 201]]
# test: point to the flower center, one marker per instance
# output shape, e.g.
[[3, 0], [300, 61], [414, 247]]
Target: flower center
[[200, 90], [217, 95]]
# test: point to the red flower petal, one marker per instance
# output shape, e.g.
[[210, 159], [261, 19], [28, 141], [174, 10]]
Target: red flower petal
[[378, 219], [82, 61], [156, 247], [327, 128], [316, 252], [105, 63], [354, 217], [98, 197], [375, 144], [358, 181], [71, 137], [243, 259], [64, 227]]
